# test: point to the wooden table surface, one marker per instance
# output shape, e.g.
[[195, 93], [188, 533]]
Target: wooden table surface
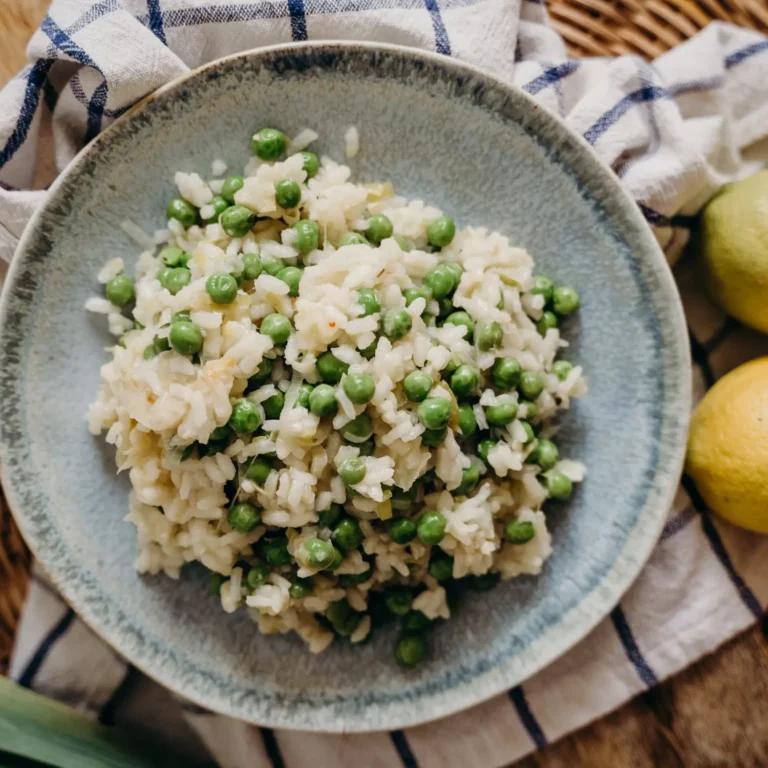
[[711, 715]]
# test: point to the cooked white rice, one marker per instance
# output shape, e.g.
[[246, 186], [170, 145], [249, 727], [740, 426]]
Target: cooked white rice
[[153, 409]]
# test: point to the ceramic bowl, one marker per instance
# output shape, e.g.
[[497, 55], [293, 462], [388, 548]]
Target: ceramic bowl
[[489, 156]]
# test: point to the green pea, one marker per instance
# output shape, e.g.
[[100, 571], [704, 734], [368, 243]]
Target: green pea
[[415, 621], [186, 338], [484, 446], [352, 238], [434, 437], [301, 588], [291, 276], [467, 421], [268, 144], [182, 211], [405, 246], [171, 256], [330, 368], [244, 517], [411, 294], [217, 581], [287, 193], [401, 530], [275, 551], [558, 485], [358, 430], [120, 290], [369, 351], [272, 264], [347, 534], [221, 433], [302, 396], [417, 385], [489, 336], [367, 298], [470, 477], [527, 410], [278, 327], [319, 552], [322, 400], [445, 307], [456, 270], [543, 287], [379, 228], [529, 433], [441, 567], [431, 527], [263, 372], [399, 600], [561, 369], [410, 650], [441, 231], [273, 406], [245, 418], [162, 275], [503, 413], [358, 578], [548, 320], [257, 575], [219, 205], [359, 387], [310, 164], [531, 384], [505, 373], [237, 221], [329, 517], [221, 288], [343, 619], [435, 412], [367, 447], [396, 323], [462, 318], [545, 454], [307, 235], [352, 471], [565, 300], [177, 278], [251, 266], [440, 280], [519, 531], [150, 352], [258, 471], [403, 499], [230, 186], [465, 380], [484, 582]]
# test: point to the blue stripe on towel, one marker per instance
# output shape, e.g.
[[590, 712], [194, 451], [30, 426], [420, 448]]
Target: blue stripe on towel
[[403, 748], [27, 677], [631, 648], [528, 719]]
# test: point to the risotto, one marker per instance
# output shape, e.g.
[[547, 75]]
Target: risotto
[[334, 399]]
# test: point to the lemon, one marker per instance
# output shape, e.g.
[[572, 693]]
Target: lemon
[[728, 446], [734, 249]]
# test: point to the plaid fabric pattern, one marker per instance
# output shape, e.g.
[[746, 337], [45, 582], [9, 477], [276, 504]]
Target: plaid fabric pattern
[[673, 131]]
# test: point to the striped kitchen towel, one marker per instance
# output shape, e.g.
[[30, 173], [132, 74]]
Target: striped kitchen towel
[[673, 131]]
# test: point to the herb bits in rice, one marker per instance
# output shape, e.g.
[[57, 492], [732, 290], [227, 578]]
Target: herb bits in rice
[[336, 400]]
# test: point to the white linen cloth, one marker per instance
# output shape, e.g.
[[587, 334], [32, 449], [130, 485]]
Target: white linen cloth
[[673, 131]]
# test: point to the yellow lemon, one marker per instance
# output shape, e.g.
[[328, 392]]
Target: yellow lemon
[[728, 446], [734, 248]]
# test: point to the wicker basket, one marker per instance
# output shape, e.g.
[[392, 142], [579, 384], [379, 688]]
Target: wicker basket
[[590, 28]]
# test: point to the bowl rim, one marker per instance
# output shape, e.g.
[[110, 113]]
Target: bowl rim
[[615, 582]]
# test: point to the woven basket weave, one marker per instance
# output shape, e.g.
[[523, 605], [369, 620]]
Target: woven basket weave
[[590, 28]]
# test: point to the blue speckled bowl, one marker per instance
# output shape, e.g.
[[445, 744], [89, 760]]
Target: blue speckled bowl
[[488, 155]]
